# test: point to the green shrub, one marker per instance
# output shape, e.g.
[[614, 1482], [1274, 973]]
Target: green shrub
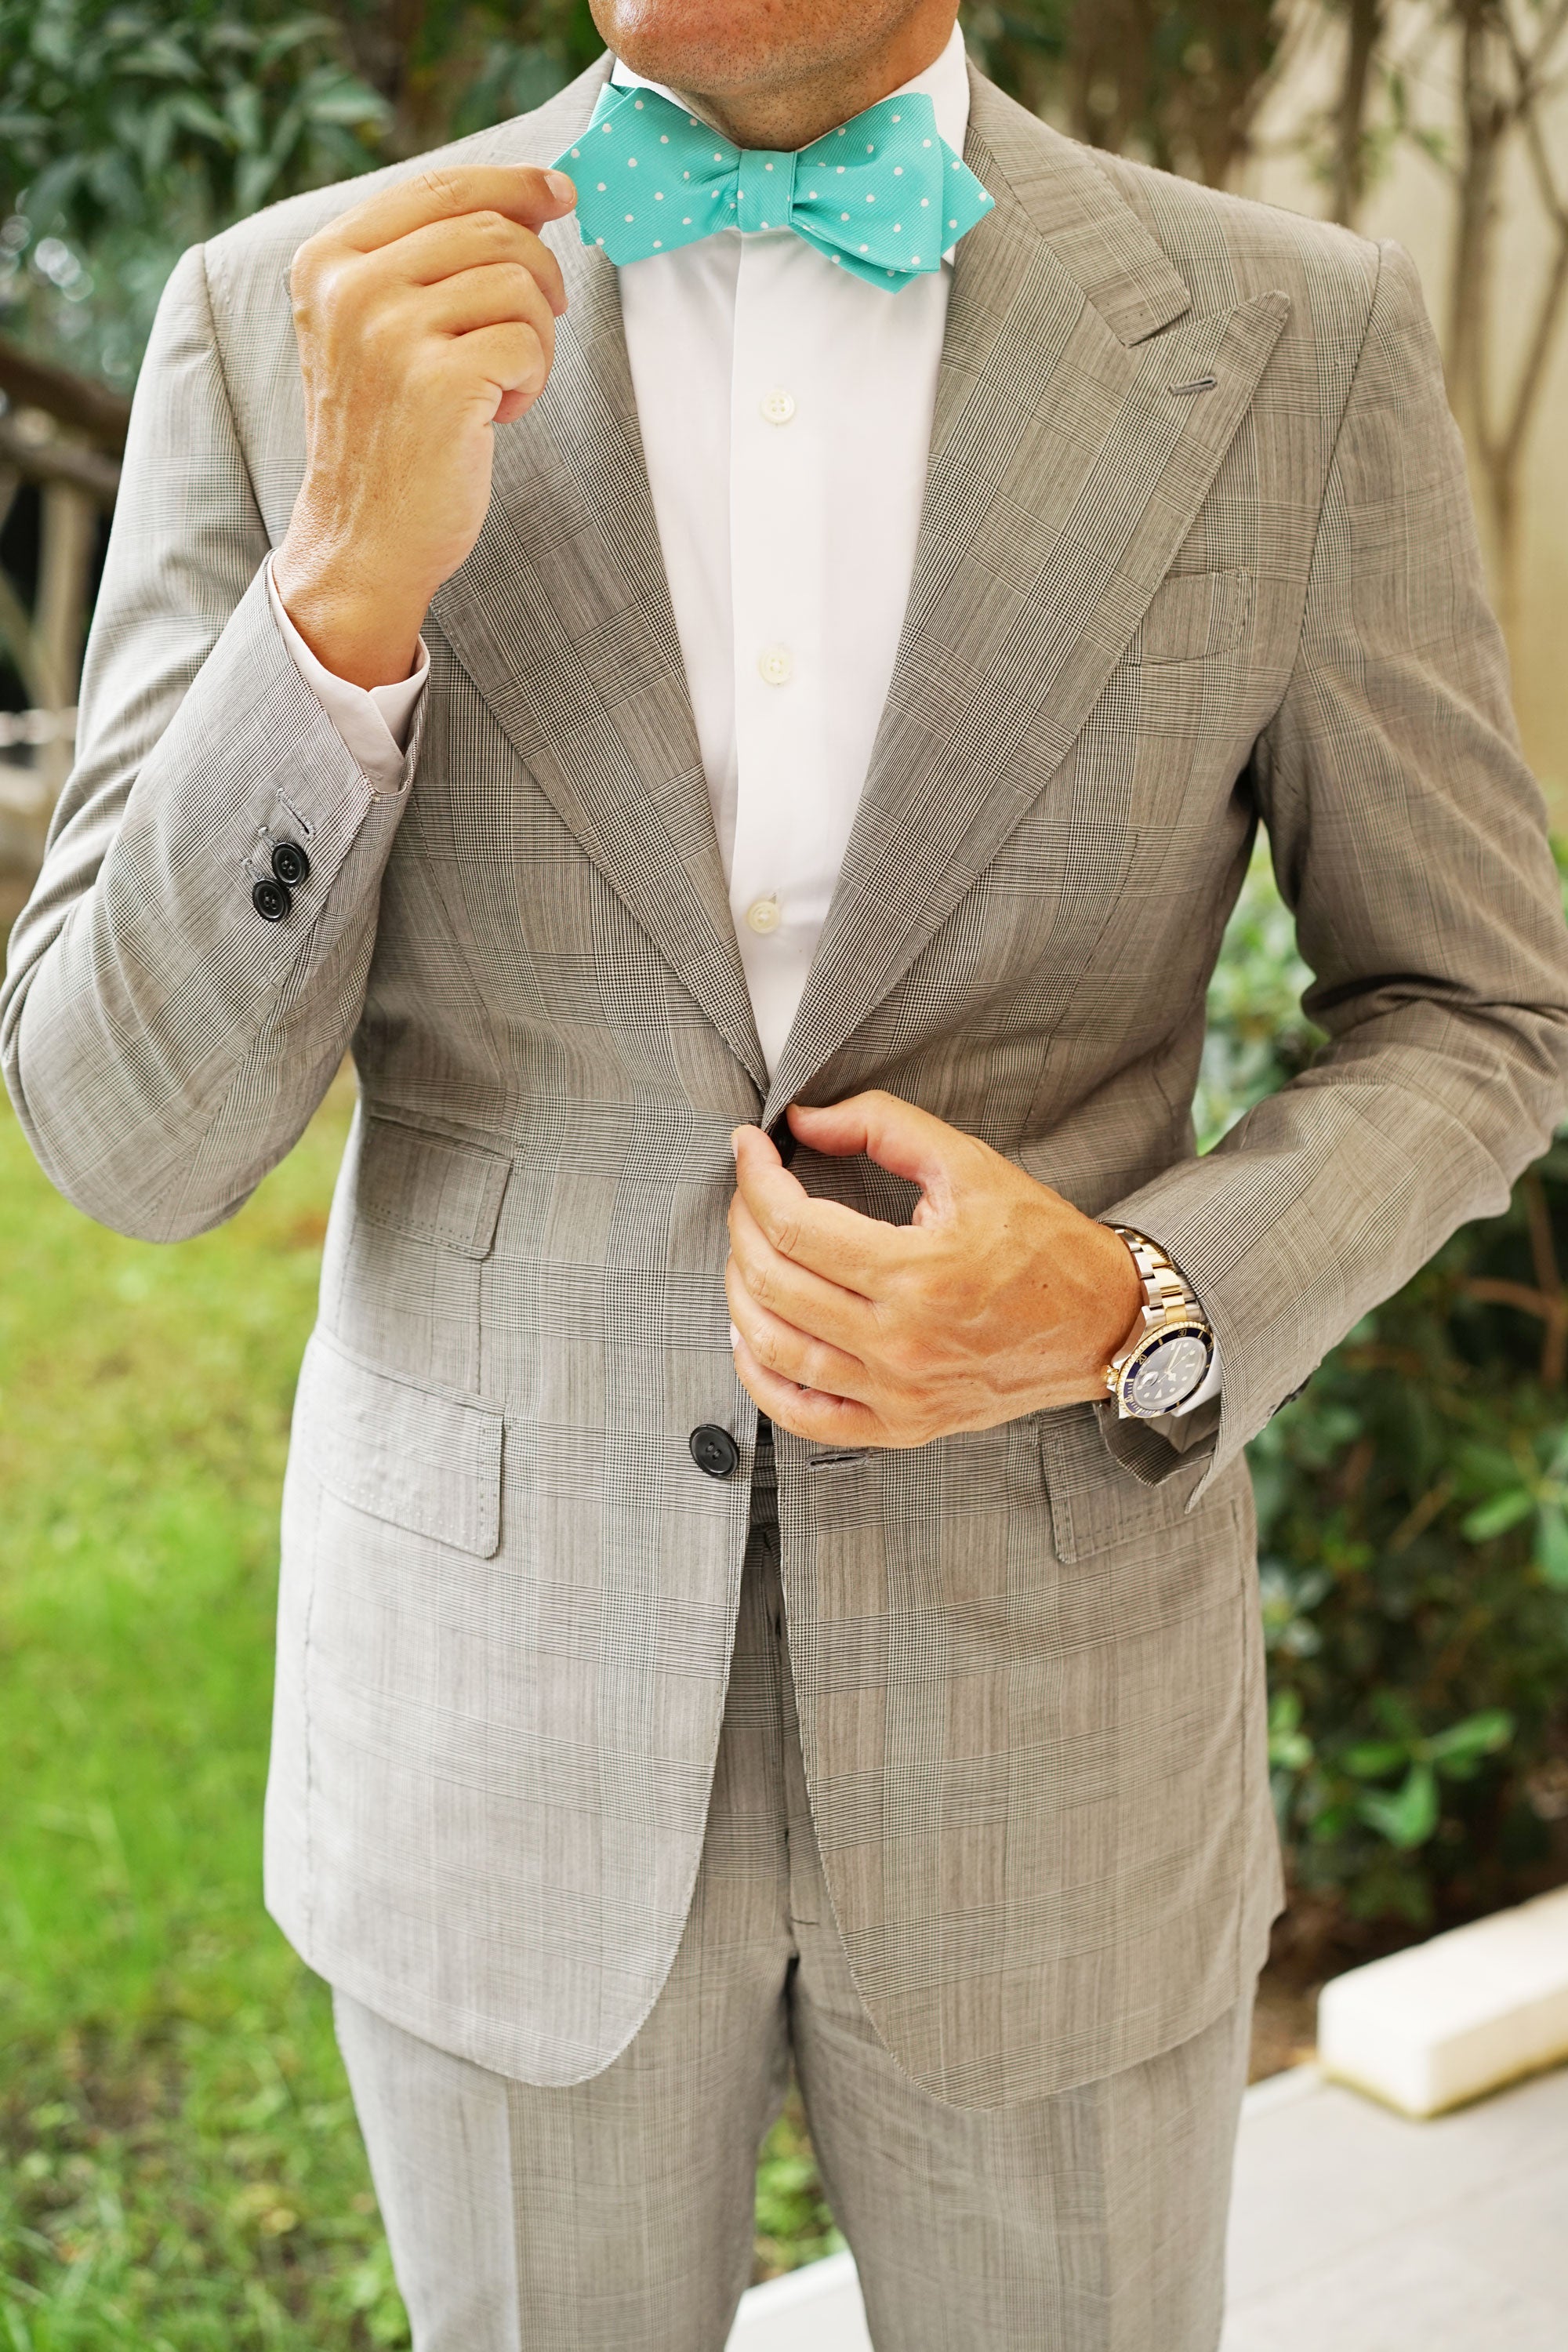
[[1412, 1511]]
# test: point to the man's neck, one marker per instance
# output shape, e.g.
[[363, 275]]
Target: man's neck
[[790, 114]]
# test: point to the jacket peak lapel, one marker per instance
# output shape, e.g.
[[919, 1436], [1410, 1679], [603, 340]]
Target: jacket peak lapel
[[1063, 479], [561, 618]]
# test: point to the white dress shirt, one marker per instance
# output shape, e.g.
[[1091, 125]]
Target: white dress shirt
[[785, 410]]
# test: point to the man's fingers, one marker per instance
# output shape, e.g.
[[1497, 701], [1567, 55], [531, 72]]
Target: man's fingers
[[806, 1412], [824, 1308], [792, 1354], [446, 248], [520, 191], [833, 1241], [509, 357], [497, 297], [897, 1136]]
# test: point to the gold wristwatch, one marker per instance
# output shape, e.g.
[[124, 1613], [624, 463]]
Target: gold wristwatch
[[1172, 1346]]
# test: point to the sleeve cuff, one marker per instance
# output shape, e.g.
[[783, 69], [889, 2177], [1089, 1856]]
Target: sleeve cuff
[[374, 722]]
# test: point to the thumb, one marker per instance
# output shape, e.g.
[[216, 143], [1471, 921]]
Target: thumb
[[897, 1136]]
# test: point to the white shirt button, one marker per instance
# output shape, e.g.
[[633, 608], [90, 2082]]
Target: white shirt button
[[777, 664], [763, 915], [778, 408]]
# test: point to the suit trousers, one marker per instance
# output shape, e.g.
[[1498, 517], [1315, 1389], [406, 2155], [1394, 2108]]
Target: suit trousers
[[616, 2215]]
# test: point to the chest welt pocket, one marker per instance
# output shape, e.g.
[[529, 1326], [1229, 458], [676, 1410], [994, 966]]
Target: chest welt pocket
[[1192, 616], [430, 1186], [412, 1455]]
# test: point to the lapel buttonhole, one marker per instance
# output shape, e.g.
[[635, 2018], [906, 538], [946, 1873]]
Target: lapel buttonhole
[[1202, 384]]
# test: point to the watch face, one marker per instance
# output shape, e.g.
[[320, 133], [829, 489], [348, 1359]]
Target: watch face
[[1169, 1373]]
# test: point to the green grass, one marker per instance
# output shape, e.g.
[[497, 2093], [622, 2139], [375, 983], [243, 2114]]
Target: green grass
[[179, 2166]]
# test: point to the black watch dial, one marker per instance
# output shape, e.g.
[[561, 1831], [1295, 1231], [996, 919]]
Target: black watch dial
[[1169, 1373]]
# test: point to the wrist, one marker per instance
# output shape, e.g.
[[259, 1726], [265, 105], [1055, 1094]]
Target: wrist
[[363, 629], [1120, 1301]]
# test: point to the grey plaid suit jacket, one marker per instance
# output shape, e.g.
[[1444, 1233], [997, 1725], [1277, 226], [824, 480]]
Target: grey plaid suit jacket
[[1196, 549]]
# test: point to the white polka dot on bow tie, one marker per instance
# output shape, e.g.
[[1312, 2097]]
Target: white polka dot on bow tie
[[924, 202], [639, 104], [898, 171], [925, 142], [842, 216], [603, 185], [952, 223], [631, 216], [664, 138], [631, 162]]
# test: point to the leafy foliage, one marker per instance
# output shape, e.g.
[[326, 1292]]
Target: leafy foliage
[[1412, 1510], [128, 128]]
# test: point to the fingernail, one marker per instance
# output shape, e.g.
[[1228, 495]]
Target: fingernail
[[560, 186], [734, 1337]]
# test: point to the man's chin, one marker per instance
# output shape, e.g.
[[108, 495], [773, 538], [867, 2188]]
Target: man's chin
[[717, 46]]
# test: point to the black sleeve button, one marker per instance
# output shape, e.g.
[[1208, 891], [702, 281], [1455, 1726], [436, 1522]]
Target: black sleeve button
[[714, 1451], [271, 901], [290, 863]]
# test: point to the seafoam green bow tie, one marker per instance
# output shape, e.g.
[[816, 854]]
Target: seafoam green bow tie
[[884, 197]]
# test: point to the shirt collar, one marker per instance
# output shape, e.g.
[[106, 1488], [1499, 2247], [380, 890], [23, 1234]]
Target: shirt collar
[[945, 82]]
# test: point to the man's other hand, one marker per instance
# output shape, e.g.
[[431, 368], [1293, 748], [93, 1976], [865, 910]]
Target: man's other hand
[[999, 1299], [425, 315]]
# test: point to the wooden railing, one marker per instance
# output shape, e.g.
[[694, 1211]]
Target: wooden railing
[[64, 435]]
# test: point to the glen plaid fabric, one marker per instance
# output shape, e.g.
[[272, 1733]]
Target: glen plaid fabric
[[881, 197], [1196, 550]]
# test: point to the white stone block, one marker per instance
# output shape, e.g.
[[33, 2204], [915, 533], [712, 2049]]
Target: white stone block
[[818, 2309], [1458, 2016]]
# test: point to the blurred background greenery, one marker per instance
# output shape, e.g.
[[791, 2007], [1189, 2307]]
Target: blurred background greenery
[[178, 2164]]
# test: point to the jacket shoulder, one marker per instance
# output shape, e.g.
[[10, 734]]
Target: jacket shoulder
[[1225, 248], [1209, 234]]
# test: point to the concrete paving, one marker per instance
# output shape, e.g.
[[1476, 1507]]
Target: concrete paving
[[1352, 2228]]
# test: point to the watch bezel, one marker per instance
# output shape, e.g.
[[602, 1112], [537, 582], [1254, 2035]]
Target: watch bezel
[[1176, 1326]]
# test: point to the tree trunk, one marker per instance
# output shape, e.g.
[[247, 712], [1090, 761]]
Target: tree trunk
[[1364, 31]]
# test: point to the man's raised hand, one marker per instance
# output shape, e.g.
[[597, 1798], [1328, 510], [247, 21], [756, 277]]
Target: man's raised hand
[[425, 315], [1000, 1299]]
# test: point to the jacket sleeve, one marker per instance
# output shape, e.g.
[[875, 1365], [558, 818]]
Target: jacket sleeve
[[162, 1043], [1410, 840]]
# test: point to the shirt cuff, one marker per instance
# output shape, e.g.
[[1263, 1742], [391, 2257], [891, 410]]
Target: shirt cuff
[[374, 721], [1209, 1386]]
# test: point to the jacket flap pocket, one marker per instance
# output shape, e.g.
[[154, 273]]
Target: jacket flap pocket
[[1095, 1503], [430, 1186], [1192, 614], [424, 1461]]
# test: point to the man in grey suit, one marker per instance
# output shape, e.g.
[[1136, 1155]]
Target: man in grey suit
[[749, 736]]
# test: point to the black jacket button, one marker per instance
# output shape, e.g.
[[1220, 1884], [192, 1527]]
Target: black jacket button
[[290, 863], [271, 901], [714, 1451]]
